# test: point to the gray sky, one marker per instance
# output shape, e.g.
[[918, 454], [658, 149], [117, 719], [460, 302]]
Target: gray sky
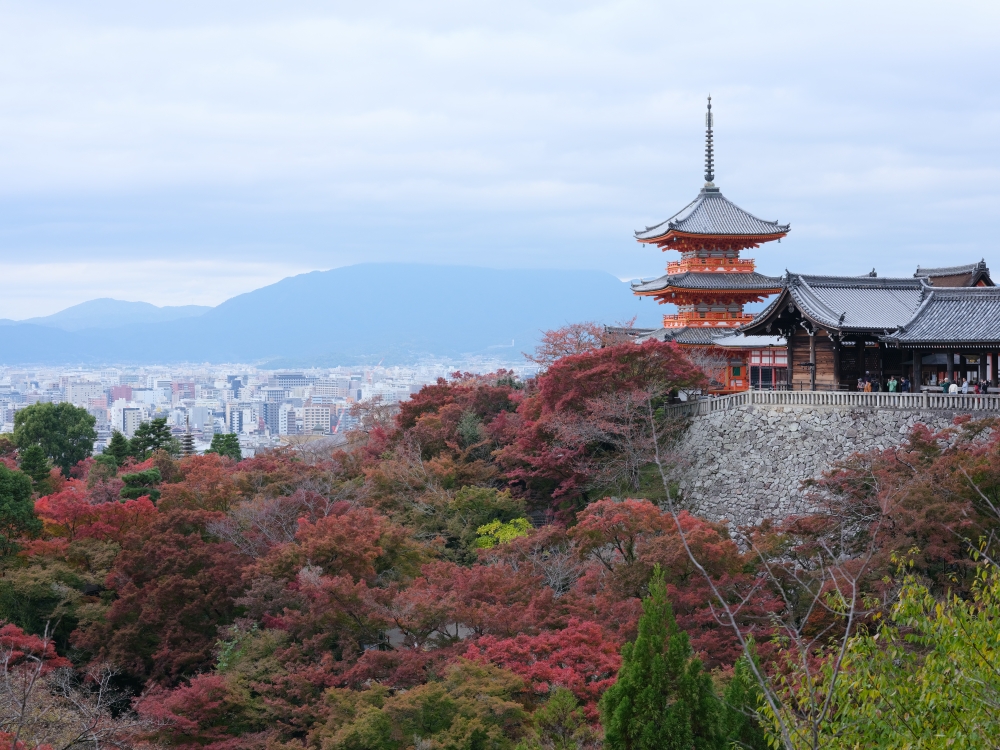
[[184, 152]]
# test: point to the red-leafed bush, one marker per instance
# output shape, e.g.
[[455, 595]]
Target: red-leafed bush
[[582, 657]]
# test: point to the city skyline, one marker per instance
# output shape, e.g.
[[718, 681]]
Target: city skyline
[[264, 408]]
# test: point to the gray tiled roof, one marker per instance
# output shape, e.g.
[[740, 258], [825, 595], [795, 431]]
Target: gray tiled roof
[[702, 280], [712, 213], [713, 336], [951, 270], [850, 302], [967, 315]]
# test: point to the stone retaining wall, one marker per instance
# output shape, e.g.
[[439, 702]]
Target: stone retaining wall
[[748, 463]]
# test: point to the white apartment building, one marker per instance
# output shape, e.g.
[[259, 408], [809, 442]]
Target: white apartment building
[[316, 419], [131, 419], [80, 393]]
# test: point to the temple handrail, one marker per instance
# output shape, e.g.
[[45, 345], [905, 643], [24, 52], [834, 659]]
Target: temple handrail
[[964, 402]]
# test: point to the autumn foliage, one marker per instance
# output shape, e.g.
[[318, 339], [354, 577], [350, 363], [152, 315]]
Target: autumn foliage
[[343, 601]]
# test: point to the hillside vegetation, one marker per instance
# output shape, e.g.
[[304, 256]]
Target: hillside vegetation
[[497, 564]]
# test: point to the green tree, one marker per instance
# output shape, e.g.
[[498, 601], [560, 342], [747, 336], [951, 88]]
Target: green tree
[[471, 707], [662, 699], [226, 445], [104, 468], [560, 724], [151, 436], [472, 507], [497, 532], [926, 679], [118, 448], [142, 483], [35, 465], [741, 705], [64, 432], [17, 510]]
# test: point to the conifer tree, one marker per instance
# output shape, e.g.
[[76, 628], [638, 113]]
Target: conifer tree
[[118, 448], [662, 699], [34, 463], [151, 436], [226, 445], [741, 702]]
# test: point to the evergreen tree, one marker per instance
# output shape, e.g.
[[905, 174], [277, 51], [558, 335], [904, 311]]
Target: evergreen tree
[[662, 699], [560, 724], [151, 436], [64, 432], [34, 463], [142, 483], [226, 445], [741, 703], [17, 510], [118, 448]]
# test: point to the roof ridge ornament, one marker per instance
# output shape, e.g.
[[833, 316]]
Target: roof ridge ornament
[[709, 149]]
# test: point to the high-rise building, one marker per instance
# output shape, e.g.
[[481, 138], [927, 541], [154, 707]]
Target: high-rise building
[[183, 389], [289, 380], [241, 417], [272, 393], [116, 392], [201, 416], [270, 412], [80, 393], [316, 419], [131, 419]]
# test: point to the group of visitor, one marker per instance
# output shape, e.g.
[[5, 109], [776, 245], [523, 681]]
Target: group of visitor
[[953, 386], [868, 384]]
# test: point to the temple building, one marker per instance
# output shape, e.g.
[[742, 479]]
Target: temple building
[[842, 329], [820, 332], [711, 282]]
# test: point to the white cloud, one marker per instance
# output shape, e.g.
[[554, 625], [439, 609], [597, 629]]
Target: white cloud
[[512, 133]]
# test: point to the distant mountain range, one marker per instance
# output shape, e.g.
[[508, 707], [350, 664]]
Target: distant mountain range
[[110, 313], [363, 313]]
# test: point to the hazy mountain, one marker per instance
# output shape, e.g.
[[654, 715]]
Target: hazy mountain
[[111, 313], [358, 313]]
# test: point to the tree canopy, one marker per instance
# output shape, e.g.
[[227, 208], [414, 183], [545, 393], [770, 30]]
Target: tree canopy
[[226, 444], [391, 592], [662, 699], [64, 432], [151, 436], [17, 511]]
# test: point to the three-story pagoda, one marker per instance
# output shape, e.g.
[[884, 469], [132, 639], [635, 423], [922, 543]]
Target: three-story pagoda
[[710, 283]]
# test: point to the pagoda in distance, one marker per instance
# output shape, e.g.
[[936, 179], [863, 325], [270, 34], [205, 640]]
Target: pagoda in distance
[[710, 283]]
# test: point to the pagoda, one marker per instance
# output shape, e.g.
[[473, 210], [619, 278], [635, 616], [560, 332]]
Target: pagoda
[[710, 283]]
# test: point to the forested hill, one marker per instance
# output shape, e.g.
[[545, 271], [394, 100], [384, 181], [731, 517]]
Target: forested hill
[[399, 312]]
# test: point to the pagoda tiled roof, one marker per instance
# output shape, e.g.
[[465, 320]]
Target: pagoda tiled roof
[[706, 280], [711, 213], [956, 315]]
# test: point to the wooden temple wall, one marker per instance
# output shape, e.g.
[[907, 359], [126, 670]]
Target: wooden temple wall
[[825, 354]]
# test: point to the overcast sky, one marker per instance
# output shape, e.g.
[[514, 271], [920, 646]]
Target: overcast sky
[[184, 152]]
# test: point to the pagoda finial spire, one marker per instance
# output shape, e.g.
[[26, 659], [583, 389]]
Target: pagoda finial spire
[[709, 151]]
